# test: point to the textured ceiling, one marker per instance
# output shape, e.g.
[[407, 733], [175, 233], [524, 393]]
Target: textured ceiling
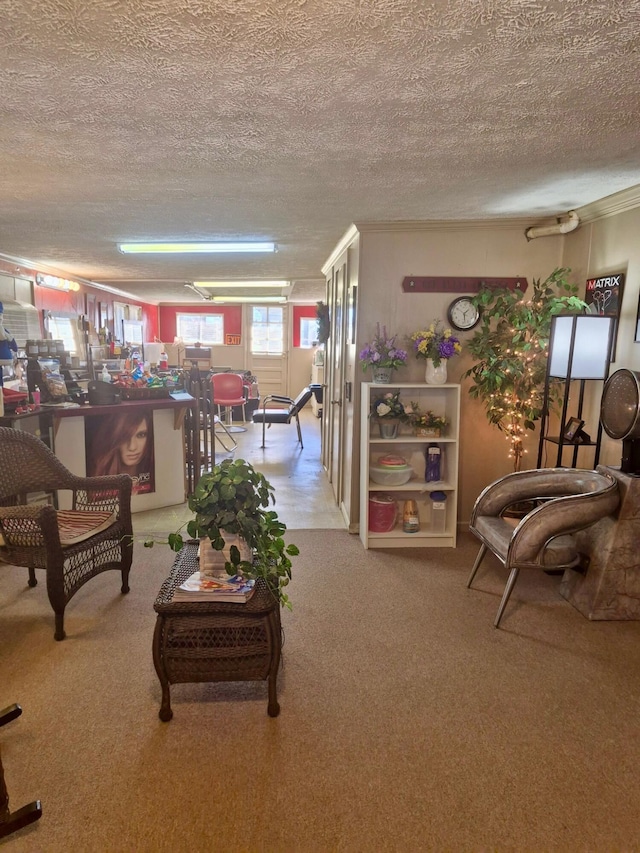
[[290, 119]]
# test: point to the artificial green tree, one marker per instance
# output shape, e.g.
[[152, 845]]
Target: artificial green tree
[[511, 348]]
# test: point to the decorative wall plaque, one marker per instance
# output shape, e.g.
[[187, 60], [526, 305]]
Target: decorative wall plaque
[[454, 284]]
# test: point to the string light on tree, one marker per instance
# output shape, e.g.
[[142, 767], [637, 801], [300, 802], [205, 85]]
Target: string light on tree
[[511, 348]]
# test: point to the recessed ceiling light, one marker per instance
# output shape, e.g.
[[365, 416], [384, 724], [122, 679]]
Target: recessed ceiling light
[[202, 248], [241, 283]]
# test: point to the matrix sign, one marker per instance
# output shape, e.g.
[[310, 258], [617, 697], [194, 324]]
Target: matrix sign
[[605, 293]]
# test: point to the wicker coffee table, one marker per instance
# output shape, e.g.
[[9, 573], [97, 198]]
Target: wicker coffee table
[[209, 641]]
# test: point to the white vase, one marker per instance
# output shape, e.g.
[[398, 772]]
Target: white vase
[[436, 375], [212, 562], [382, 375]]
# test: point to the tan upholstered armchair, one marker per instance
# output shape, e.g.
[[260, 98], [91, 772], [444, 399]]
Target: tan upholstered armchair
[[74, 545], [563, 501]]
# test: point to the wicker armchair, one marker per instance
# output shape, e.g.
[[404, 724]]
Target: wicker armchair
[[72, 546]]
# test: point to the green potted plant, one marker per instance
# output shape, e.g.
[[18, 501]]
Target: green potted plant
[[511, 350], [233, 499]]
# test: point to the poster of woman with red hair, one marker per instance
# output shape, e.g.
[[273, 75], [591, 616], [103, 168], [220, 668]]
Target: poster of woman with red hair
[[122, 443]]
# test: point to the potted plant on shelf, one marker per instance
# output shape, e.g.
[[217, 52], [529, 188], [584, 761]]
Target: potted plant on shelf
[[425, 424], [511, 351], [232, 500], [389, 412], [382, 355], [436, 346]]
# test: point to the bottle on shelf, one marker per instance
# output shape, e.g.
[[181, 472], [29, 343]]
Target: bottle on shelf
[[105, 375], [34, 374], [433, 468], [410, 517]]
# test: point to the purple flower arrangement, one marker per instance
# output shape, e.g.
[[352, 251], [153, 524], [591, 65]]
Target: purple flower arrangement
[[435, 344], [382, 351]]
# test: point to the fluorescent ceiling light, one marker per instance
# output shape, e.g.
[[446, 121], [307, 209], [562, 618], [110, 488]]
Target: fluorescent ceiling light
[[256, 299], [185, 248], [241, 283]]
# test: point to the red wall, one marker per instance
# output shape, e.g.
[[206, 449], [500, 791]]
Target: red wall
[[298, 312], [232, 318], [47, 299], [74, 302]]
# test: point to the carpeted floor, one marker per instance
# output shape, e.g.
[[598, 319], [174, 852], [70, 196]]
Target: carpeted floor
[[408, 722]]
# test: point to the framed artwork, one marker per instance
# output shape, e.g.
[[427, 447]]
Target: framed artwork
[[572, 429]]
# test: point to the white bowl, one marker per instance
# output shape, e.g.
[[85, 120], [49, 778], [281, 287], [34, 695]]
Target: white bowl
[[390, 476]]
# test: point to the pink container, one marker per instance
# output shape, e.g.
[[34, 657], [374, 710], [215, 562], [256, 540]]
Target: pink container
[[383, 512]]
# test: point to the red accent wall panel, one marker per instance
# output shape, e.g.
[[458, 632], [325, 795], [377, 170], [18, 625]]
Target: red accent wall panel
[[298, 312], [232, 318]]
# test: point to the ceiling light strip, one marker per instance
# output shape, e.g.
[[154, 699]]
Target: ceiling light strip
[[234, 284], [257, 300], [197, 248]]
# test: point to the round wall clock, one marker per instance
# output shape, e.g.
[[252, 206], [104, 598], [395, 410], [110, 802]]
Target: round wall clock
[[463, 314]]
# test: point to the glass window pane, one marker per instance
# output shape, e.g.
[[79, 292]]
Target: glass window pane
[[65, 329], [308, 332], [267, 333], [200, 328]]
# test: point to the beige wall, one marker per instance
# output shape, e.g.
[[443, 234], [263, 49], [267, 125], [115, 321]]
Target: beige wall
[[472, 249], [609, 245], [299, 369]]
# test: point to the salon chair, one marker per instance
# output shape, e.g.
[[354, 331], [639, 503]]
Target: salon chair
[[558, 501], [287, 410], [227, 391]]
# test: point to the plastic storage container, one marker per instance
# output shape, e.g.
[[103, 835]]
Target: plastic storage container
[[390, 470], [390, 476], [382, 513], [438, 512]]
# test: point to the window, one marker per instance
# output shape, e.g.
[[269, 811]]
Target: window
[[65, 329], [267, 330], [308, 332], [200, 328]]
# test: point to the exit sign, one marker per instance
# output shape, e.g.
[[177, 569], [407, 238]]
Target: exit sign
[[232, 340]]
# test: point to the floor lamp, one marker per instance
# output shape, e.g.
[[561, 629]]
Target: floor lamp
[[579, 349]]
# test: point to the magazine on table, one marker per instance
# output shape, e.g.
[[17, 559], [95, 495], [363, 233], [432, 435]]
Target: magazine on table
[[199, 587]]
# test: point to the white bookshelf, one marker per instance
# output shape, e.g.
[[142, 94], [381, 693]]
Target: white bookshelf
[[444, 400]]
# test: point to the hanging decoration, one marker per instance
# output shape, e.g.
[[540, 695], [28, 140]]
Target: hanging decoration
[[324, 322]]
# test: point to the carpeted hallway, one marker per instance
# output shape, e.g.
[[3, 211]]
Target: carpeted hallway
[[408, 722]]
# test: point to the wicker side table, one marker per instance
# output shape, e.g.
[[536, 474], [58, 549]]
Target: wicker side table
[[209, 641]]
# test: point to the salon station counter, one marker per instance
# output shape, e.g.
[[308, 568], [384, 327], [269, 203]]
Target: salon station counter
[[68, 439]]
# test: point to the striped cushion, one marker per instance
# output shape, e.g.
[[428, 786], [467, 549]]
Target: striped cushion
[[76, 525]]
